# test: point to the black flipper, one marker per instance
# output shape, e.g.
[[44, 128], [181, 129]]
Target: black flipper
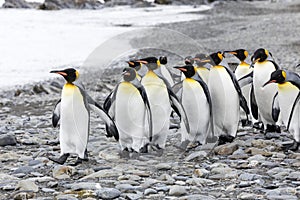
[[275, 64], [111, 128], [254, 107], [177, 89], [175, 104], [246, 80], [56, 114], [243, 102], [208, 97], [108, 101], [293, 109], [275, 108], [147, 104]]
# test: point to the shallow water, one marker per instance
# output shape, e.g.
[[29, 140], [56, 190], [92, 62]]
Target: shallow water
[[32, 42]]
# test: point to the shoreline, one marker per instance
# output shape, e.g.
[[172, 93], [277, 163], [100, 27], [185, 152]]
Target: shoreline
[[252, 168]]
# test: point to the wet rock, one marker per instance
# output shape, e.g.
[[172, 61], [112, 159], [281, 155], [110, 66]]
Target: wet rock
[[201, 172], [48, 190], [256, 151], [19, 4], [149, 191], [109, 154], [24, 170], [249, 177], [163, 166], [70, 4], [66, 197], [83, 186], [247, 196], [196, 197], [194, 155], [108, 193], [177, 190], [24, 195], [279, 173], [133, 196], [9, 156], [226, 149], [63, 172], [295, 176], [38, 89], [257, 157], [8, 139], [52, 184], [106, 173], [27, 185], [167, 179]]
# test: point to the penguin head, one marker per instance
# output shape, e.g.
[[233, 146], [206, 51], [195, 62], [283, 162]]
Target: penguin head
[[277, 76], [134, 64], [260, 55], [152, 63], [188, 70], [69, 74], [129, 74], [163, 60], [241, 54], [188, 60], [216, 58], [199, 58]]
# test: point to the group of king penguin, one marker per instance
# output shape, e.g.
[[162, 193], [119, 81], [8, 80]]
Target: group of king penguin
[[210, 100]]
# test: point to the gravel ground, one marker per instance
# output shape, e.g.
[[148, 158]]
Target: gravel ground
[[252, 167]]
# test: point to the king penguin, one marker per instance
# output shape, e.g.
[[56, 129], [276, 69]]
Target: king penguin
[[72, 110], [226, 98], [196, 101], [164, 71], [137, 66], [162, 100], [242, 70], [201, 67], [130, 107], [264, 65], [288, 99]]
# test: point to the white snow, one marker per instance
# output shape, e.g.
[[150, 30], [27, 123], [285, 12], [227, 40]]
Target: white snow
[[33, 42]]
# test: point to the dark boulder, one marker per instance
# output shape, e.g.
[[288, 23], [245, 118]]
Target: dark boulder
[[19, 4], [70, 4], [8, 139]]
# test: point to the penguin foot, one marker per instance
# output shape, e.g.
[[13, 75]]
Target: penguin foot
[[292, 147], [258, 125], [125, 153], [246, 122], [223, 139], [144, 149], [273, 128], [61, 160]]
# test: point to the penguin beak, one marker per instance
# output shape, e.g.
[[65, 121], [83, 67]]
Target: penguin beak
[[181, 68], [142, 61], [130, 62], [231, 52], [270, 81], [59, 72]]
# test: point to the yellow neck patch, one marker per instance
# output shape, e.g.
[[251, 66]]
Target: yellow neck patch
[[220, 56], [77, 74], [284, 74], [246, 53], [266, 52]]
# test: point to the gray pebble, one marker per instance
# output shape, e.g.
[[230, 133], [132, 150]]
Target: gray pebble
[[108, 193], [177, 190]]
